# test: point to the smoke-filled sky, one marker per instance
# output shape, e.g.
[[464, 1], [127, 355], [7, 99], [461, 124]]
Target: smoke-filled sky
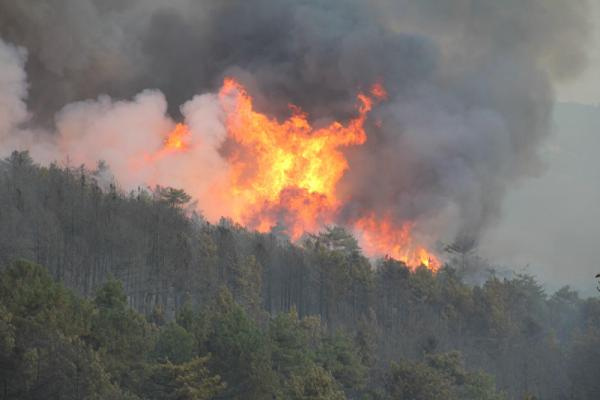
[[585, 89], [469, 114], [549, 225]]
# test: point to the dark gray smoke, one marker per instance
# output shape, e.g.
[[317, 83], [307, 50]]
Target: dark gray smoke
[[470, 82]]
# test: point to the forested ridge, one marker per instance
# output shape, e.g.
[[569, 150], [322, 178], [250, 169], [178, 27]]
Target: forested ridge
[[107, 294]]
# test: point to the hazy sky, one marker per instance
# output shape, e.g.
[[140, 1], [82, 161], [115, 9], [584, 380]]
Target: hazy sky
[[586, 89], [551, 224]]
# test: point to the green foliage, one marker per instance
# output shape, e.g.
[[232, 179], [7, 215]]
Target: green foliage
[[187, 381], [186, 317], [42, 354], [111, 296], [584, 355], [7, 331], [122, 337], [290, 344], [336, 238], [174, 344], [407, 380], [310, 320], [247, 285], [339, 355], [439, 376], [172, 197], [240, 351], [314, 383]]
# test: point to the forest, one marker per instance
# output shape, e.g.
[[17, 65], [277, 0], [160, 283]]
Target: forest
[[114, 294]]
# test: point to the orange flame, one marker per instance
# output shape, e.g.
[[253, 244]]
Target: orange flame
[[382, 237], [378, 91], [176, 141], [286, 173], [178, 138]]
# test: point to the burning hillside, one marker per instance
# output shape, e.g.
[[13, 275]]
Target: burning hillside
[[285, 174], [295, 139]]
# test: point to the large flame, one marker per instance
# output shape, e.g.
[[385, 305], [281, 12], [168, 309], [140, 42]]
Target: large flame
[[285, 174], [383, 237], [177, 139]]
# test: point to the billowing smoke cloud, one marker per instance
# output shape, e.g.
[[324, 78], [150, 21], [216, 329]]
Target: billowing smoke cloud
[[13, 89], [470, 86], [128, 136]]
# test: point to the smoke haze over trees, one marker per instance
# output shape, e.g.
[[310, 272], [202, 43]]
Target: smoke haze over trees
[[470, 88], [559, 247], [238, 314], [126, 274]]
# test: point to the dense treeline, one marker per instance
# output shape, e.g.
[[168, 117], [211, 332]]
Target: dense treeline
[[58, 346], [229, 313]]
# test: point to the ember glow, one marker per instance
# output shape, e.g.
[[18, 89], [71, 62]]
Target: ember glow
[[383, 237], [285, 174], [177, 141], [178, 138]]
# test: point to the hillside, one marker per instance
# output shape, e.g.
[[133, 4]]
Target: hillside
[[253, 316]]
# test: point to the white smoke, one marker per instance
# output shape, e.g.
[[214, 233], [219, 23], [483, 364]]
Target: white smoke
[[121, 133], [126, 134]]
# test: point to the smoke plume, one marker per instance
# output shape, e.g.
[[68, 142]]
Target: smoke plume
[[469, 82]]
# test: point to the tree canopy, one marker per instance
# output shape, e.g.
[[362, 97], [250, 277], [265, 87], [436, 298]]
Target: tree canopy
[[135, 296]]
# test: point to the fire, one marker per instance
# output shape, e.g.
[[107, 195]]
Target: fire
[[378, 91], [285, 174], [176, 141], [382, 237], [178, 138]]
